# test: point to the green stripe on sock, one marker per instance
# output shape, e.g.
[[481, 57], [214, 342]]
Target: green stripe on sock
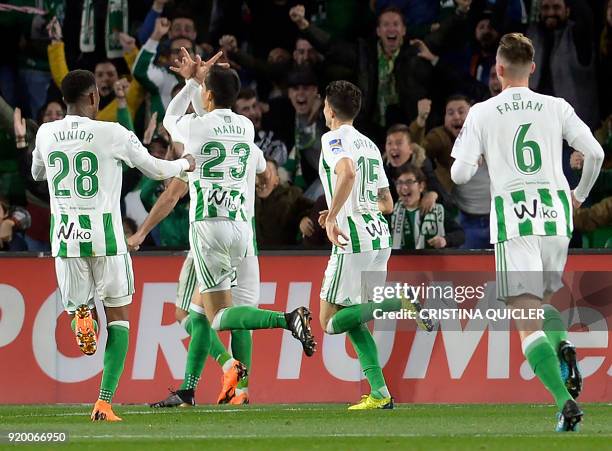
[[109, 234], [356, 246], [501, 220]]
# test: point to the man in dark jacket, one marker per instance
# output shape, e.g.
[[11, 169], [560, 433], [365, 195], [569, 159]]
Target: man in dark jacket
[[388, 70], [279, 209]]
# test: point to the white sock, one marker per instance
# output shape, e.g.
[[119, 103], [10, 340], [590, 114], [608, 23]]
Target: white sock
[[227, 365], [384, 391]]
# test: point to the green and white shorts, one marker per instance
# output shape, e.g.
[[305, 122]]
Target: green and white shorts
[[111, 278], [246, 292], [530, 265], [350, 278], [218, 246]]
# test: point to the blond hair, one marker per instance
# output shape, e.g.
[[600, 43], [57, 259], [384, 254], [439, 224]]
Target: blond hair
[[517, 51]]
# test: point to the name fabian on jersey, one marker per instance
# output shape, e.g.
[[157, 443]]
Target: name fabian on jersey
[[519, 106]]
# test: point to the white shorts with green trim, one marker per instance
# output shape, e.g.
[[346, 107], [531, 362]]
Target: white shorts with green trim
[[530, 265], [246, 292], [218, 246], [350, 278], [186, 283], [111, 278]]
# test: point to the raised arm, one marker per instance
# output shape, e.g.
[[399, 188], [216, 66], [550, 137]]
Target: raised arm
[[131, 150], [164, 205]]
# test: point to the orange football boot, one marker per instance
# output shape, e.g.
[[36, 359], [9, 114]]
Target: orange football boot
[[86, 336], [103, 411], [242, 398], [230, 380]]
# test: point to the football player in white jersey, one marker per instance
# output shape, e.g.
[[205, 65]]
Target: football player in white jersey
[[246, 291], [357, 193], [519, 134], [82, 159], [221, 142]]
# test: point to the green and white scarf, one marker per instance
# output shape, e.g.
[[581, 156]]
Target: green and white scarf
[[411, 231], [116, 22]]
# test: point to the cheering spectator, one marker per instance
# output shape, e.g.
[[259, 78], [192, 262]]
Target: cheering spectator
[[182, 25], [315, 236], [439, 141], [302, 166], [158, 80], [388, 70], [279, 209], [13, 221], [22, 134], [248, 105], [413, 230], [105, 72], [399, 151], [564, 56], [483, 55], [473, 198]]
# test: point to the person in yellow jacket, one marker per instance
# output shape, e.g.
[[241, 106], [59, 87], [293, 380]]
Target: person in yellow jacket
[[105, 71]]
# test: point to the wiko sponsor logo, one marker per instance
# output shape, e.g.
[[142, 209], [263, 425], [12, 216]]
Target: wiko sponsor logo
[[376, 228], [223, 198], [72, 232], [521, 210]]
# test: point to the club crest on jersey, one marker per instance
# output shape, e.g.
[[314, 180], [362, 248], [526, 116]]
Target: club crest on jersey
[[336, 145]]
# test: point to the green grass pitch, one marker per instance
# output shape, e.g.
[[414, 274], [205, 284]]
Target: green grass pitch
[[313, 427]]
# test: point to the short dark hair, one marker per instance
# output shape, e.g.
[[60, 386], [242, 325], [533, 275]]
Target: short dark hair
[[344, 98], [76, 84], [408, 168], [457, 97], [247, 94], [390, 9], [400, 128], [224, 84]]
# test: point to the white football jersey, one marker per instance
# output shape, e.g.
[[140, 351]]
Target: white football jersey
[[360, 216], [256, 165], [221, 142], [520, 134], [82, 160]]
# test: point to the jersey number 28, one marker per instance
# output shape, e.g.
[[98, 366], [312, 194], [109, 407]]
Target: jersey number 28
[[85, 167]]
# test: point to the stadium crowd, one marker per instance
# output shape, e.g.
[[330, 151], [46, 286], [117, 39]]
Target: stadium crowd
[[420, 64]]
